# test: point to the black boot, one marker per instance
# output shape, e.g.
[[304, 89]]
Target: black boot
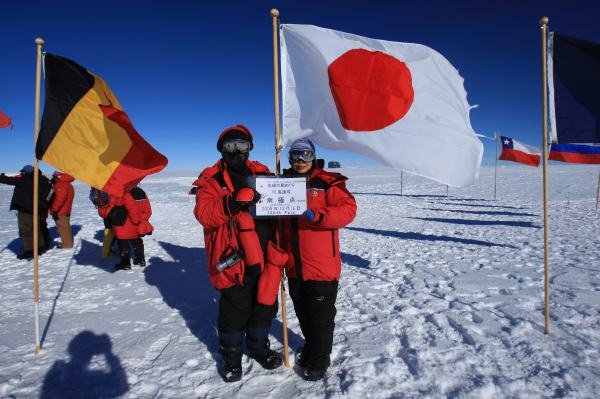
[[230, 347], [314, 373], [140, 262], [258, 345], [232, 372], [270, 360], [301, 358], [125, 264]]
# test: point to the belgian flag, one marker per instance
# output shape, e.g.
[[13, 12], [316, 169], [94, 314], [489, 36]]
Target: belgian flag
[[85, 133]]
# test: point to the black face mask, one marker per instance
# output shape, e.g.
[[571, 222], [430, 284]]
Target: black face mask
[[236, 160]]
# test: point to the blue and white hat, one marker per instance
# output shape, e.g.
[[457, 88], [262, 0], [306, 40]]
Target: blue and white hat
[[302, 145]]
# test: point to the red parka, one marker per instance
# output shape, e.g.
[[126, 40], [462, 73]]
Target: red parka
[[313, 247], [145, 211], [222, 231], [63, 194], [129, 230]]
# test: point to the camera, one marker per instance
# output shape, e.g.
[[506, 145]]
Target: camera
[[229, 260]]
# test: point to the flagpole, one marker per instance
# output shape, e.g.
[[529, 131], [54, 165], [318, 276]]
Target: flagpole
[[278, 147], [401, 178], [496, 163], [544, 28], [36, 123], [598, 192]]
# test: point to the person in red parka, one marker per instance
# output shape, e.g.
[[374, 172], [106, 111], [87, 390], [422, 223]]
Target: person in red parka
[[60, 207], [314, 263], [125, 228], [238, 243]]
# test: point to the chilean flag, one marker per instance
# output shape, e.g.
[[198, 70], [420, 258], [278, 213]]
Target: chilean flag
[[5, 121], [512, 150], [402, 104], [575, 153]]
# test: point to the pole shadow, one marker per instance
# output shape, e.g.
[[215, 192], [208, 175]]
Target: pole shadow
[[470, 222], [488, 213], [93, 371], [427, 237]]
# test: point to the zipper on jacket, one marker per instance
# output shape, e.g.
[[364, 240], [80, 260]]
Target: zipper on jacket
[[333, 242]]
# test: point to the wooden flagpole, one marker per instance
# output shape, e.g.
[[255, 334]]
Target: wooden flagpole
[[544, 28], [36, 123], [496, 162], [278, 147]]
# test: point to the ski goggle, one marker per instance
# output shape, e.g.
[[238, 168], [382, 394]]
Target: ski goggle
[[302, 155], [236, 145]]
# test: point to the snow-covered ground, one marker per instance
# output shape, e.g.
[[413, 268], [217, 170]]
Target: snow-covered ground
[[440, 296]]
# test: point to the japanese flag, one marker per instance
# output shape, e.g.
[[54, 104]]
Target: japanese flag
[[401, 104]]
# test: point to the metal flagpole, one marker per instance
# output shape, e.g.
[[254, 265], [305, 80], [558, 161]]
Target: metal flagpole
[[36, 287], [401, 178], [496, 162], [278, 147], [598, 192], [544, 28]]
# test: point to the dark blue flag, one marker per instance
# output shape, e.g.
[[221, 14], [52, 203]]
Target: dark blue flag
[[575, 78]]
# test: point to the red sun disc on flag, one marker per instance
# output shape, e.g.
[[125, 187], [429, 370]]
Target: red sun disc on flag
[[371, 89]]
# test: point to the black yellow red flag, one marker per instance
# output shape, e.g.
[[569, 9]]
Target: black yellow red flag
[[85, 132]]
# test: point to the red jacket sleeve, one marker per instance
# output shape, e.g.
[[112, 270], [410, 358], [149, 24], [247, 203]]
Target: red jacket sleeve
[[340, 208], [209, 210]]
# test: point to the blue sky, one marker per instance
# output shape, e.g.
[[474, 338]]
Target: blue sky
[[184, 70]]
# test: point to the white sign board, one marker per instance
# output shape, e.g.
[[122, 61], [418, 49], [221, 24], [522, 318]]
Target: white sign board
[[281, 196]]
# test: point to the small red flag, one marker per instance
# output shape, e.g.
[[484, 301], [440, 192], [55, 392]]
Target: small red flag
[[5, 121]]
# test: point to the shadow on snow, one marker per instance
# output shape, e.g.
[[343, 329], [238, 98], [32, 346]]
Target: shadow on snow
[[512, 223], [490, 213], [427, 237], [15, 245], [92, 371]]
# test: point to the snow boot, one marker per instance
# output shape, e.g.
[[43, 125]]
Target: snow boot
[[258, 347], [124, 264], [301, 358], [141, 262], [314, 373], [230, 347]]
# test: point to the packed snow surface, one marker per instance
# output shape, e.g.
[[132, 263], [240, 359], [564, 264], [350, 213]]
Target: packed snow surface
[[441, 295]]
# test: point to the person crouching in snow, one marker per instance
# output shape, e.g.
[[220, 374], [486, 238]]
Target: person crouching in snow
[[123, 215], [314, 263], [236, 245], [60, 207]]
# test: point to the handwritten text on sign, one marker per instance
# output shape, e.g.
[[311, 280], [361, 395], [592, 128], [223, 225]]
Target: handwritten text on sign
[[281, 196]]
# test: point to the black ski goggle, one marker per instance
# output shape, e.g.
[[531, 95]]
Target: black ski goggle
[[236, 145], [303, 155]]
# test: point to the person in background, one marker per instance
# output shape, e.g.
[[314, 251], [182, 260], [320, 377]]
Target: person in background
[[22, 202], [60, 207], [144, 227], [235, 246], [123, 215], [314, 263]]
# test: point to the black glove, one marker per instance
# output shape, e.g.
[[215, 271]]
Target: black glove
[[54, 215]]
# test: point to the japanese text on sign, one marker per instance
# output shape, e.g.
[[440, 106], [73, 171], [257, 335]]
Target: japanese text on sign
[[281, 196]]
